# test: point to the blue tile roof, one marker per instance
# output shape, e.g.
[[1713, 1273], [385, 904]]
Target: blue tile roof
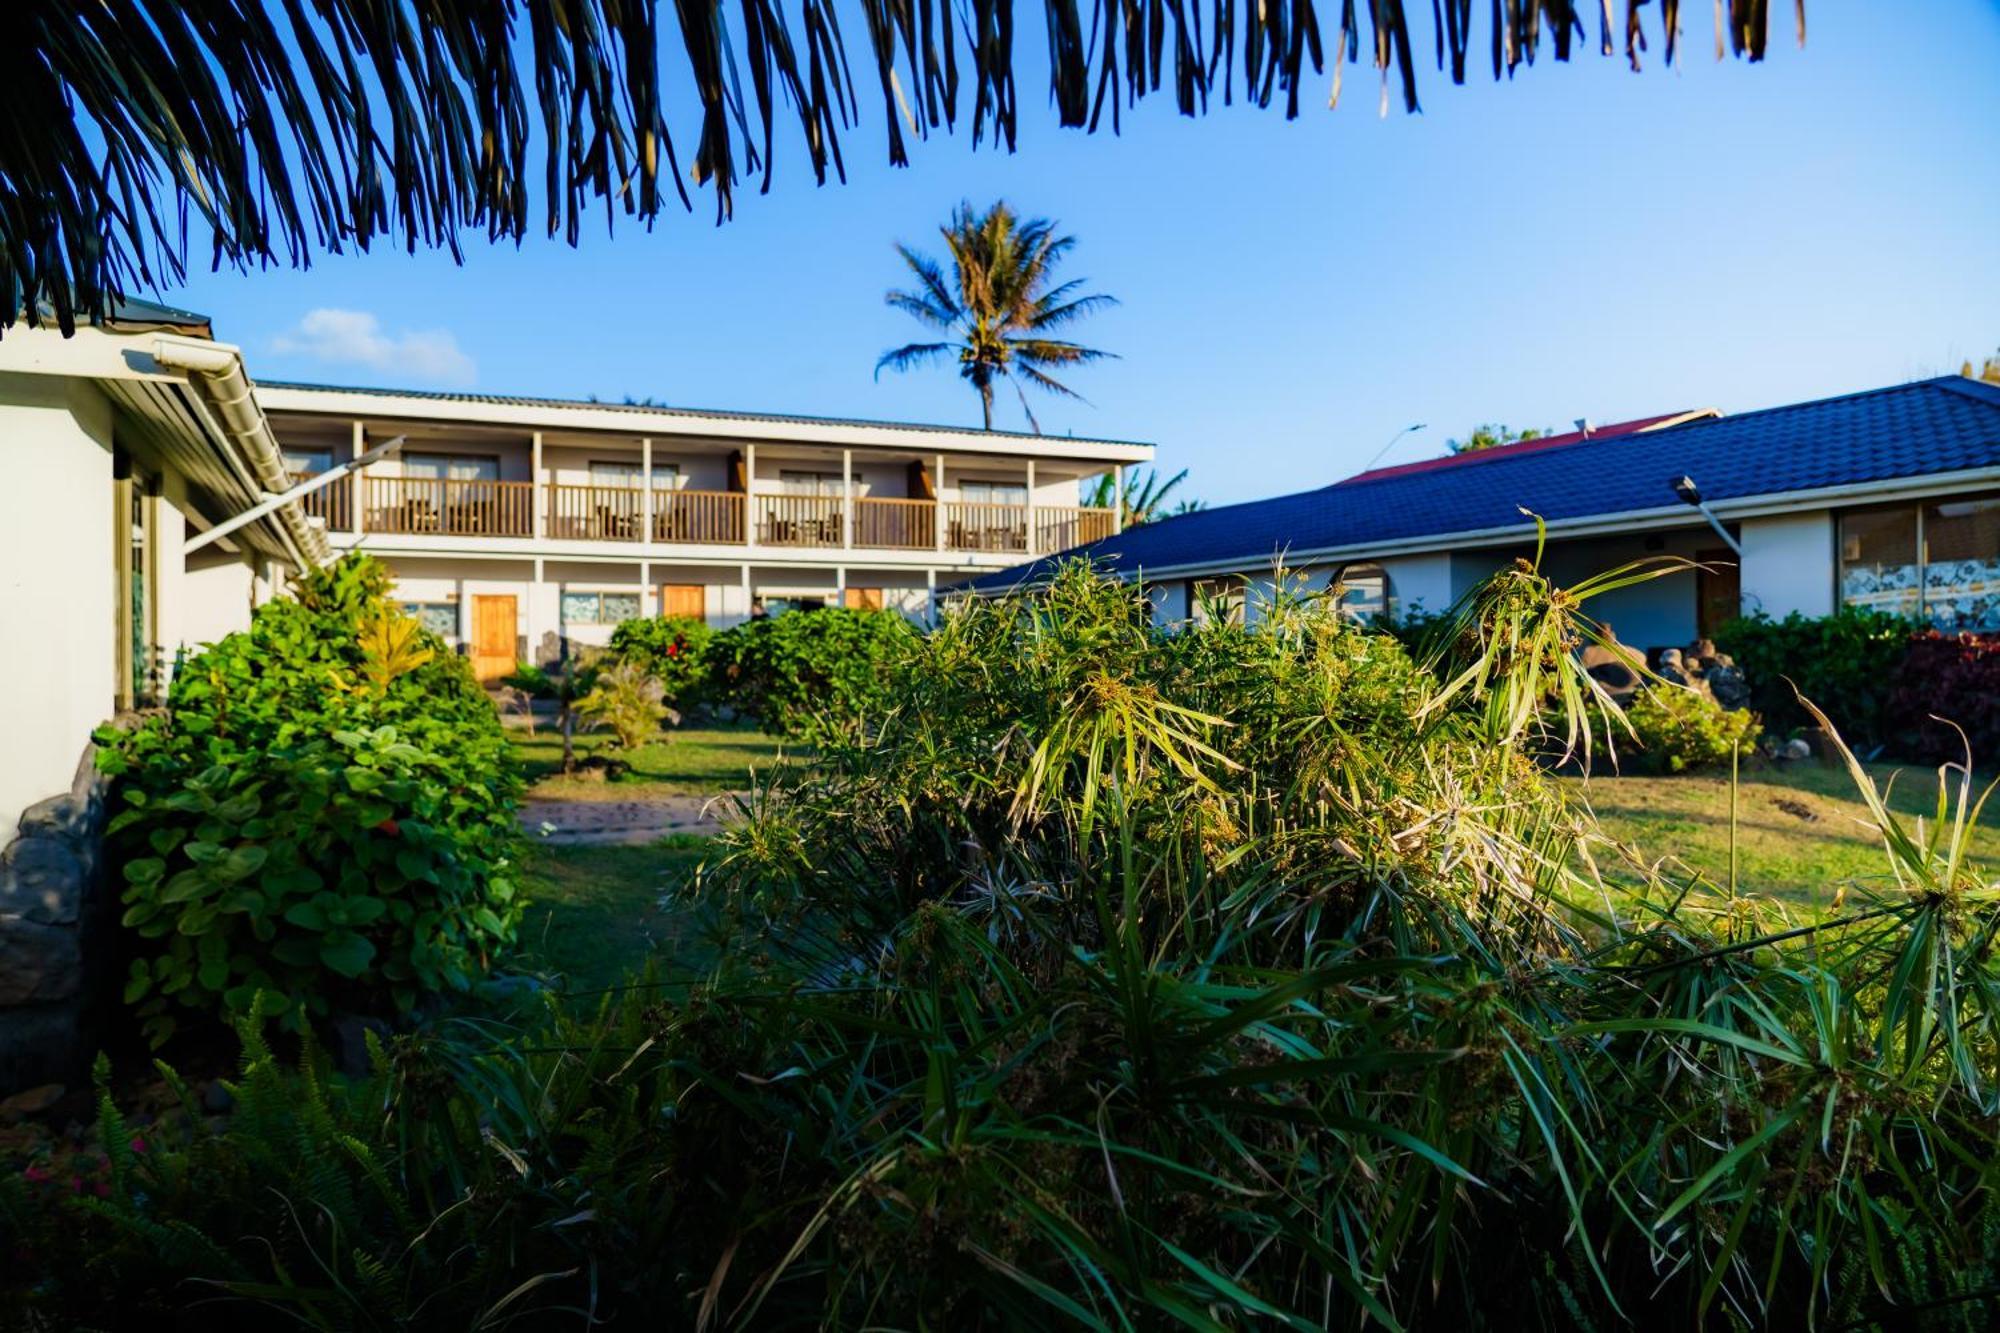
[[1929, 426]]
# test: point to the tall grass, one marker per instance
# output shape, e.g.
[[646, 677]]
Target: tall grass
[[1230, 978]]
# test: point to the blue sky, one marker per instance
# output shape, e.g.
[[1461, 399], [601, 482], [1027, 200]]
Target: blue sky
[[1584, 242]]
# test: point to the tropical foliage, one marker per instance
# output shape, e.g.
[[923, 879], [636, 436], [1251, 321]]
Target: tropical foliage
[[998, 307], [630, 700], [286, 130], [1247, 976], [1677, 730], [671, 649], [324, 812], [1143, 497], [811, 675], [1488, 436], [1845, 662]]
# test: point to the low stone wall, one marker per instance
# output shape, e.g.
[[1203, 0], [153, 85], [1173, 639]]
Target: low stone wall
[[57, 922]]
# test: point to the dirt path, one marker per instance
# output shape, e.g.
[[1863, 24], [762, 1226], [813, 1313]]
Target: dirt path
[[635, 821]]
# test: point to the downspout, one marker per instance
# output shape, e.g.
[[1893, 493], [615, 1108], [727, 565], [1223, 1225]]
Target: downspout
[[215, 370]]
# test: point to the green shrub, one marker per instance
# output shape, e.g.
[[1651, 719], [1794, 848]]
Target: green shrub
[[811, 675], [626, 699], [674, 650], [1845, 663], [324, 810], [1679, 729], [1249, 978], [531, 680]]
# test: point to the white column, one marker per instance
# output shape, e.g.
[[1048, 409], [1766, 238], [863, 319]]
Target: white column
[[749, 600], [535, 494], [1031, 506], [647, 606], [847, 498], [840, 584], [930, 602], [646, 493], [357, 481], [937, 505], [1118, 498], [750, 524]]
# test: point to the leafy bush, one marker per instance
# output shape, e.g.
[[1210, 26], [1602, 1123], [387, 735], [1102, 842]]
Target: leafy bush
[[1954, 677], [531, 680], [674, 650], [1252, 978], [1844, 662], [1677, 729], [629, 701], [811, 675], [324, 810]]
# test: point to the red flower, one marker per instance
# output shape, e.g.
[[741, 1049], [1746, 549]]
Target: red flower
[[390, 827], [138, 1145], [36, 1175]]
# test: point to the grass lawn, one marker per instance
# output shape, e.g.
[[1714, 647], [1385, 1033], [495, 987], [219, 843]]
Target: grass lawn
[[595, 917], [690, 761], [1801, 830]]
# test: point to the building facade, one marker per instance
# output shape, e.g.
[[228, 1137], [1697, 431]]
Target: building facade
[[1888, 498], [524, 529]]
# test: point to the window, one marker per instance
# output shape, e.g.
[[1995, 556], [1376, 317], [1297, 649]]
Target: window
[[993, 493], [307, 462], [666, 476], [440, 618], [1938, 562], [1962, 564], [1360, 592], [137, 663], [451, 467], [1216, 601], [599, 608], [1878, 561], [810, 483]]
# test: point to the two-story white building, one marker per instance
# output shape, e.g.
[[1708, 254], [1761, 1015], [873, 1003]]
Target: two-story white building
[[521, 527]]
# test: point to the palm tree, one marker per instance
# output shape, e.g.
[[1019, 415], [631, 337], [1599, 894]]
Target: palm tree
[[285, 130], [1142, 499], [997, 306]]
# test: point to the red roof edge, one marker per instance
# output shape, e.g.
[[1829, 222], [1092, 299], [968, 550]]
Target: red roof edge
[[1610, 430]]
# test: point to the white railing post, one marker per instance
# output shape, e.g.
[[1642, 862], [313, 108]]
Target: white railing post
[[536, 492], [937, 500], [646, 490], [1030, 541]]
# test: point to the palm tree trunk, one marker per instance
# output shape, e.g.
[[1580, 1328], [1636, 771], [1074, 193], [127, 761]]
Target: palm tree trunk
[[986, 402]]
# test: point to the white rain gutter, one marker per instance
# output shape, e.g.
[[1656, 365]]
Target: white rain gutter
[[215, 370]]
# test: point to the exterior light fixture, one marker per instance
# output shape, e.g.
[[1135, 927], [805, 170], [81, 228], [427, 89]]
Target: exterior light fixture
[[1690, 494]]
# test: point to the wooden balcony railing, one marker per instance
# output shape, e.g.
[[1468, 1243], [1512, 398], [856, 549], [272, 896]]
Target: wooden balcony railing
[[984, 527], [333, 505], [452, 508], [903, 525], [798, 520], [1060, 529], [594, 513], [698, 517]]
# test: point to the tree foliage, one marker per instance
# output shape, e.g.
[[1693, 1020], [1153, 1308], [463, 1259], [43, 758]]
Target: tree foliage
[[1489, 436], [1144, 496], [284, 128], [998, 306]]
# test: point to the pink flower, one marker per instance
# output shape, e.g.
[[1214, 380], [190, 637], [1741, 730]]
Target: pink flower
[[138, 1145], [103, 1189], [36, 1175]]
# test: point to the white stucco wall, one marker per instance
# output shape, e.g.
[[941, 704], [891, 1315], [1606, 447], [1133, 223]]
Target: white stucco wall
[[1788, 564], [57, 589]]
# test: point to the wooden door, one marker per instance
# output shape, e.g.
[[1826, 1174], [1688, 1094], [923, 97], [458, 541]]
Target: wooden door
[[492, 636], [1718, 590], [864, 599], [684, 599]]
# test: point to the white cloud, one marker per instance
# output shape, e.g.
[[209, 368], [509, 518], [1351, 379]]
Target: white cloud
[[356, 338]]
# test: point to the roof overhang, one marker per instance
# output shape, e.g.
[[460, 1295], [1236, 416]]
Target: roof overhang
[[1592, 525], [658, 423], [179, 416]]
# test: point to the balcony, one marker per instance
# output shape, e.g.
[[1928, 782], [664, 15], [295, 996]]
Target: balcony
[[452, 508], [449, 508]]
